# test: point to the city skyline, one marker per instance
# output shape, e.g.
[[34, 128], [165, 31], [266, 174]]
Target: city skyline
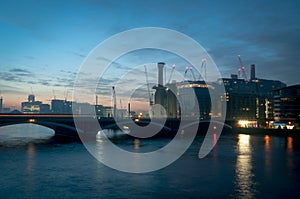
[[44, 43]]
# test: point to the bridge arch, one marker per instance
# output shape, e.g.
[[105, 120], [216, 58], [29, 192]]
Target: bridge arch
[[58, 128], [25, 132]]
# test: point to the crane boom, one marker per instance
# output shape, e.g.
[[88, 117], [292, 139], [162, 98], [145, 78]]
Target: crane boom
[[191, 69], [172, 71], [186, 70], [66, 94], [203, 69], [242, 68], [54, 97], [239, 72]]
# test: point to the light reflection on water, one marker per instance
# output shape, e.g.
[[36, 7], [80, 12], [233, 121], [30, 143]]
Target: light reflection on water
[[30, 164], [289, 144], [290, 161], [254, 163], [267, 157], [244, 174]]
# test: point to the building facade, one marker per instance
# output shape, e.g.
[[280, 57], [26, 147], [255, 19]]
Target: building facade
[[195, 98], [61, 106], [287, 105], [34, 107], [250, 100]]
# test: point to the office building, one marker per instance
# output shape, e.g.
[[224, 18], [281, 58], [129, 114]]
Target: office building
[[250, 100], [34, 107], [287, 105], [61, 106]]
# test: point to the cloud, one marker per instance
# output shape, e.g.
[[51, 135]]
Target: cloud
[[68, 72], [19, 70], [19, 75], [78, 54], [8, 76], [30, 57], [44, 82], [140, 93], [8, 89], [14, 91]]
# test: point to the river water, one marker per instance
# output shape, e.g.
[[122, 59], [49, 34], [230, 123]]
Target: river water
[[35, 165]]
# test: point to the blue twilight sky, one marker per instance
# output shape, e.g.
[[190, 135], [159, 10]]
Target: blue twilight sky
[[43, 43]]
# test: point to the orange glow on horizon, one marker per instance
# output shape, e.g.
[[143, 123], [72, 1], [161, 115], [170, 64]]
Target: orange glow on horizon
[[13, 101]]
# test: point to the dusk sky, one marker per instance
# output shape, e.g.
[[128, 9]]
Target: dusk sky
[[43, 43]]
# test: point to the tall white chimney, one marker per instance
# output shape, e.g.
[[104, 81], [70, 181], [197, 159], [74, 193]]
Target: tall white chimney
[[160, 67]]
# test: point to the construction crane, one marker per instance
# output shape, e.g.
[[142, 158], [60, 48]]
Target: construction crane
[[185, 72], [192, 72], [66, 94], [191, 69], [203, 68], [54, 97], [239, 72], [115, 102], [172, 71], [121, 105], [242, 68], [148, 87]]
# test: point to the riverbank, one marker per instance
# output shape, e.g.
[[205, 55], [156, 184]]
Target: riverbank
[[268, 131]]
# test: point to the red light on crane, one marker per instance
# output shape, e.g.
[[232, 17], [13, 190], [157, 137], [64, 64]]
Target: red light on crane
[[172, 71]]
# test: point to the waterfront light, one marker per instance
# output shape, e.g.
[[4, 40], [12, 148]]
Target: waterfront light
[[247, 123], [32, 120]]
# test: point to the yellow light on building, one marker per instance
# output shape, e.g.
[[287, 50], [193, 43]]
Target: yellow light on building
[[247, 123]]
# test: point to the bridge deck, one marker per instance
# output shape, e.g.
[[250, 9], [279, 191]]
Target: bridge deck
[[64, 124]]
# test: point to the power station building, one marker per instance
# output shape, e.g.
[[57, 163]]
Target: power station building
[[245, 99], [195, 98], [181, 99], [165, 101]]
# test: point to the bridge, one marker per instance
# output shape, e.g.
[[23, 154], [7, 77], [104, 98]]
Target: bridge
[[66, 125]]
